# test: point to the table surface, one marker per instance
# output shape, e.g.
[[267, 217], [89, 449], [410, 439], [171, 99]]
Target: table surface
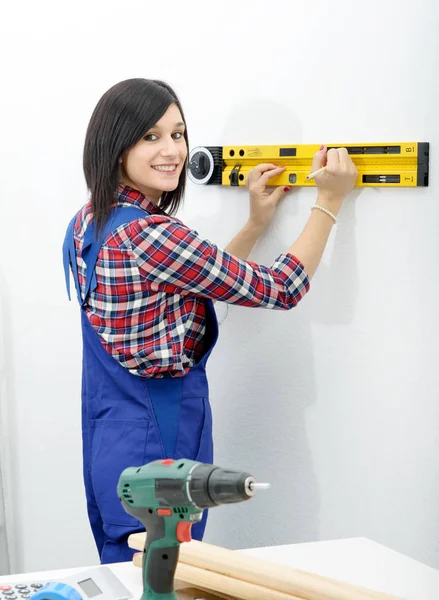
[[360, 561]]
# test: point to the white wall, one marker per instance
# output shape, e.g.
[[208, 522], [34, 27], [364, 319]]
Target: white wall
[[334, 403]]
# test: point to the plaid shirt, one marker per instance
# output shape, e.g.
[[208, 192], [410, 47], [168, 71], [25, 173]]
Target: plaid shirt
[[152, 277]]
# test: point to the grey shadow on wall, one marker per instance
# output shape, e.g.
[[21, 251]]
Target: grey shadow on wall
[[260, 404], [10, 529], [336, 284]]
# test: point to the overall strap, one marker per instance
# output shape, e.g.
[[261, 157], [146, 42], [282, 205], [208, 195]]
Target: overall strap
[[69, 259], [91, 247]]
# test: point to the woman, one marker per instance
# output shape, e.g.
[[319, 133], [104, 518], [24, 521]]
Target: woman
[[145, 283]]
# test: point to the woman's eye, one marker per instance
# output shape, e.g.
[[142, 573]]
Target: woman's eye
[[152, 137]]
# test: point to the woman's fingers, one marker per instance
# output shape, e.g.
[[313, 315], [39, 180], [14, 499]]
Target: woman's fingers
[[255, 175]]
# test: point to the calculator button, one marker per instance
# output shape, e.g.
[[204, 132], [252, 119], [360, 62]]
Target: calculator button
[[21, 586], [12, 597], [27, 595], [37, 586], [5, 588], [9, 593]]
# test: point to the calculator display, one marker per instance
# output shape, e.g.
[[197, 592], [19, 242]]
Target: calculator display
[[90, 588]]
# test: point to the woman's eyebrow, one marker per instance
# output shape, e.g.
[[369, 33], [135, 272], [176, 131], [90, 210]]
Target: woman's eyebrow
[[179, 124]]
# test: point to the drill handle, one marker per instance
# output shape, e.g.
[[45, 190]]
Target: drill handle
[[160, 556], [159, 564]]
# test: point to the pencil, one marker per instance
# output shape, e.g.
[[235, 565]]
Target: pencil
[[315, 173]]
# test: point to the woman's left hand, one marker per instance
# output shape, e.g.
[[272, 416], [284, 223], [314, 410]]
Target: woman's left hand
[[263, 204]]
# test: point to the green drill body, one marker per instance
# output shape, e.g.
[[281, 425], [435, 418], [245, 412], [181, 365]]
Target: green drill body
[[168, 496]]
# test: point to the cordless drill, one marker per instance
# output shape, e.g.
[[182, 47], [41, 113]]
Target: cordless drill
[[168, 496]]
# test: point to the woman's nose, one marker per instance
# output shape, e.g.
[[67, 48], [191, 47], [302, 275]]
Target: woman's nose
[[169, 147]]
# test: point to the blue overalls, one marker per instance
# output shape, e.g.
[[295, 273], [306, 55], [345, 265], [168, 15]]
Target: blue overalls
[[128, 420]]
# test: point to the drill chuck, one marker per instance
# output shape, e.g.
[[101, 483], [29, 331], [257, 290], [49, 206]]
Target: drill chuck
[[210, 486]]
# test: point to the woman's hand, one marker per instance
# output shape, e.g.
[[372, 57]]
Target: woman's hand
[[263, 204], [338, 179]]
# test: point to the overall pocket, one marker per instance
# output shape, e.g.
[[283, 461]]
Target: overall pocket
[[194, 439], [115, 445]]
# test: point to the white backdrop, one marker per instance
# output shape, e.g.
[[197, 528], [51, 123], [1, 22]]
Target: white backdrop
[[336, 402]]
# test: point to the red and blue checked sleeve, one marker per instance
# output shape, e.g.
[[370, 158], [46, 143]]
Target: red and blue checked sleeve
[[173, 258]]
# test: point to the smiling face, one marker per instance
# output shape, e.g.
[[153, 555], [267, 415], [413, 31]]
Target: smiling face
[[154, 164]]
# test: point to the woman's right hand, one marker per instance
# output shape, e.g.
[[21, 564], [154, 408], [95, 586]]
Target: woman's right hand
[[338, 179]]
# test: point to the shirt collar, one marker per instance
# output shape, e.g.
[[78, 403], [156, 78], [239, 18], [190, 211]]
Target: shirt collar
[[128, 195]]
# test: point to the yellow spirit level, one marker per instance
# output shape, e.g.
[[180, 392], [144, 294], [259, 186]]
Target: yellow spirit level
[[379, 165]]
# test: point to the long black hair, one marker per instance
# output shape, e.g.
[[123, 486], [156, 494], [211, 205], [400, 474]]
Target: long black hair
[[121, 118]]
